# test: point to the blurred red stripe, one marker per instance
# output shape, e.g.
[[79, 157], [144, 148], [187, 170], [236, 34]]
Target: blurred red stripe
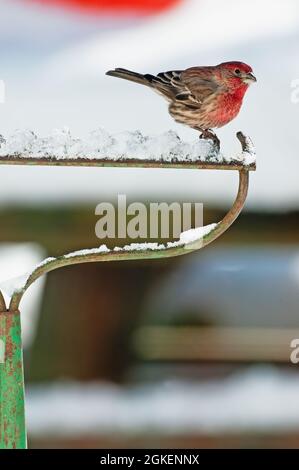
[[142, 6]]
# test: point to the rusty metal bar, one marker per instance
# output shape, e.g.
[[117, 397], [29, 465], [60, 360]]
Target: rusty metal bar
[[124, 163]]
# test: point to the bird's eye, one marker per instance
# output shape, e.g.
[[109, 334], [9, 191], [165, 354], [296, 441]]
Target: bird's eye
[[237, 71]]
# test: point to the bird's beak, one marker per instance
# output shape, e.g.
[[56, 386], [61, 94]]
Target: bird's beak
[[249, 78]]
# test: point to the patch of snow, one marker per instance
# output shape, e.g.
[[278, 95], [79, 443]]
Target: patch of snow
[[42, 263], [99, 144], [148, 246], [258, 399], [19, 258], [194, 234], [88, 251], [18, 283], [247, 157], [15, 284], [141, 247], [186, 237]]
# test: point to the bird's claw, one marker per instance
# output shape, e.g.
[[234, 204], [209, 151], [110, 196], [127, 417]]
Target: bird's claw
[[210, 135]]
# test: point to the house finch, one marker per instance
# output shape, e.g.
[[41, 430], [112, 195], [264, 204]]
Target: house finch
[[200, 97]]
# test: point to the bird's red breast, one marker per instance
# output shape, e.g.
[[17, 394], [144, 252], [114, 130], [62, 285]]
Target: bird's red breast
[[227, 106]]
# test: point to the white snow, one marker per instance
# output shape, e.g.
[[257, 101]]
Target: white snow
[[17, 284], [16, 258], [45, 261], [186, 237], [100, 144], [144, 246], [195, 234], [260, 399], [14, 284], [248, 156], [88, 251]]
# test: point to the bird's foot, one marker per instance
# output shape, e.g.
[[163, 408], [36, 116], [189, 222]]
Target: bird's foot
[[210, 135]]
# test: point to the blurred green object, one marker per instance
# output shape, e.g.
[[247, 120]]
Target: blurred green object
[[12, 412]]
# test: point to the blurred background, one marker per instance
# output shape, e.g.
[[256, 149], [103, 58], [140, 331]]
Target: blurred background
[[190, 352]]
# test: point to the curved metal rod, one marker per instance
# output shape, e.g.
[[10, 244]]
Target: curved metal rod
[[55, 263]]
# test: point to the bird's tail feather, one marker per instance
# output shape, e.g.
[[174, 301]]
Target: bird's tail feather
[[132, 76]]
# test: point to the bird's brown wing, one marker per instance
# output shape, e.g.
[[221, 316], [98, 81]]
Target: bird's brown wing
[[201, 82], [190, 87], [167, 84]]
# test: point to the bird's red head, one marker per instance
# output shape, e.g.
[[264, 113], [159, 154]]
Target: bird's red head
[[236, 74]]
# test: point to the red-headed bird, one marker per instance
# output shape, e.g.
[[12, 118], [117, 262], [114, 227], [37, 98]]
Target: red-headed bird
[[200, 97]]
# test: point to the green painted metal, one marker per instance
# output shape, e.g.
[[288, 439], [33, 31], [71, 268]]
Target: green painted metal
[[12, 407]]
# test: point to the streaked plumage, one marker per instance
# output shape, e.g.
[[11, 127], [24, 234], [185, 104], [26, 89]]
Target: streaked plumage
[[200, 97]]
